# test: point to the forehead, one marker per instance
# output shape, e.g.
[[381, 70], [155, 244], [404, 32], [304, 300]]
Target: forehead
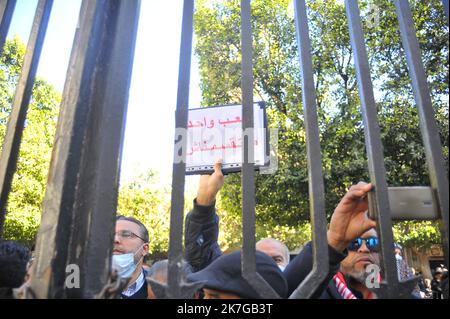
[[127, 225], [270, 248], [370, 233]]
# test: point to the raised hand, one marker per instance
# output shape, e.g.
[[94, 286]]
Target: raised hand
[[210, 185], [350, 219]]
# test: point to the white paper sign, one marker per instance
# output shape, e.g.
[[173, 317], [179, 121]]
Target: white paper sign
[[216, 132]]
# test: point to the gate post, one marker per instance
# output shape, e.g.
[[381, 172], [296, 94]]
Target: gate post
[[77, 226]]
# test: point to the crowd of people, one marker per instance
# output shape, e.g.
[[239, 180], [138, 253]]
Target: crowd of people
[[352, 239]]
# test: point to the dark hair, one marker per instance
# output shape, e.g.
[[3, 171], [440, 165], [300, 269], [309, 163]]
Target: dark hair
[[13, 262], [144, 231]]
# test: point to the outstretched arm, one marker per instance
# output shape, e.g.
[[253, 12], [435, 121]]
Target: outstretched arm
[[202, 222]]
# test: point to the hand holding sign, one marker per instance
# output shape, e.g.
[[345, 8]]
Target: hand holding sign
[[210, 185]]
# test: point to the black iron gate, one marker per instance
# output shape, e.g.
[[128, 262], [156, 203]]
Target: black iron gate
[[77, 225]]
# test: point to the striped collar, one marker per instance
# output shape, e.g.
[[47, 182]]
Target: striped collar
[[346, 291], [342, 288]]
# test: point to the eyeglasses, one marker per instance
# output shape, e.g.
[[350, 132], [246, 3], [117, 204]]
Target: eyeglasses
[[127, 234], [371, 244]]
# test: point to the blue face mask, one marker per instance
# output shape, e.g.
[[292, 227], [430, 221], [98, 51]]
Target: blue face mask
[[125, 264], [282, 268]]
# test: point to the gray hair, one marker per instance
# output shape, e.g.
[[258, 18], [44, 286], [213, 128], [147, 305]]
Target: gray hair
[[285, 249]]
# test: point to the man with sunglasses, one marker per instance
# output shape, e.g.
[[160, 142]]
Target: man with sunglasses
[[349, 235], [130, 248], [351, 275], [350, 282]]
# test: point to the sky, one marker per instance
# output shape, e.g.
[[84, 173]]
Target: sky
[[149, 132]]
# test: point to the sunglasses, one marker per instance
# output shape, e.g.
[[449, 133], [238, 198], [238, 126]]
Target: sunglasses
[[371, 244], [127, 234]]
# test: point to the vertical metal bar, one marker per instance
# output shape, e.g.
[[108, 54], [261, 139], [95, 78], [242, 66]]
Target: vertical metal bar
[[179, 165], [248, 170], [77, 225], [316, 188], [428, 126], [373, 146], [101, 161], [13, 136], [6, 12], [56, 222], [445, 4]]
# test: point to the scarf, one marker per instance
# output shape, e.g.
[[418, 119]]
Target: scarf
[[341, 286], [344, 291]]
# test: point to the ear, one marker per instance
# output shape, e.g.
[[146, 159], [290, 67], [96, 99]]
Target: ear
[[145, 249]]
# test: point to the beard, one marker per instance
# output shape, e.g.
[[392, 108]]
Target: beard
[[356, 273], [352, 267], [359, 276]]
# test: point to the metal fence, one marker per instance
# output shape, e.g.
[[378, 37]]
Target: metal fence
[[79, 207]]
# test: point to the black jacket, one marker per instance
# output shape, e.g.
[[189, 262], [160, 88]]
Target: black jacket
[[201, 235], [299, 267]]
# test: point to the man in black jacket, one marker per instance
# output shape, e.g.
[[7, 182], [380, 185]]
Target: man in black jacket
[[349, 221], [353, 246], [202, 228]]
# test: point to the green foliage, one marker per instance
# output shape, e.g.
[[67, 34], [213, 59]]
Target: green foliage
[[421, 235], [144, 200], [230, 225], [282, 209], [10, 65], [282, 198], [28, 186]]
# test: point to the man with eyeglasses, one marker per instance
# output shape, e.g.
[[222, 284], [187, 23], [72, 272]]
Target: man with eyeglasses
[[130, 248]]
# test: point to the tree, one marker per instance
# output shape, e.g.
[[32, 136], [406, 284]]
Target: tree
[[282, 199], [28, 187], [144, 200]]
